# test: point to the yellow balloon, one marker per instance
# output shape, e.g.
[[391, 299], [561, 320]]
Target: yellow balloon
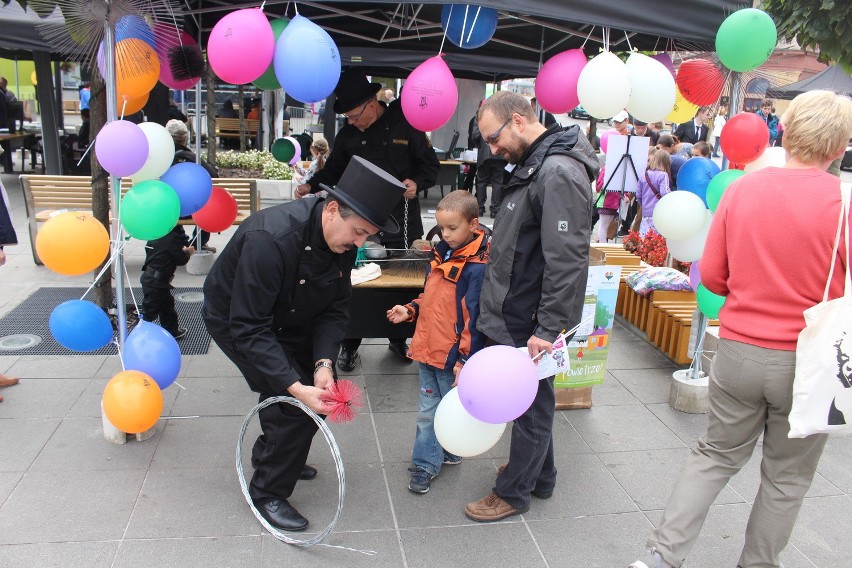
[[72, 243], [683, 109], [34, 78]]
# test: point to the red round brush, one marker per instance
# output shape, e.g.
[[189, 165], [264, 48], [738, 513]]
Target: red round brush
[[345, 398]]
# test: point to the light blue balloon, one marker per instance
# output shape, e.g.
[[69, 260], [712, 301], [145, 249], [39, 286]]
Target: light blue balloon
[[80, 325], [153, 350], [192, 184], [307, 61], [468, 26], [131, 26], [695, 175]]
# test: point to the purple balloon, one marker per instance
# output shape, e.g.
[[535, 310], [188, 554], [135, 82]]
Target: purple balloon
[[666, 60], [694, 275], [498, 384], [121, 148]]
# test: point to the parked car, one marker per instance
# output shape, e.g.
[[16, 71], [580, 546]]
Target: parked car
[[580, 113], [846, 163]]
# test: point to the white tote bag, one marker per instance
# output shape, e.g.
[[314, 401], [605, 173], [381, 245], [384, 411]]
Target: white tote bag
[[822, 387]]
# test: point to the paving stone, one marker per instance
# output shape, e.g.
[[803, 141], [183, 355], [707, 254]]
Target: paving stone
[[231, 551], [59, 555], [22, 440]]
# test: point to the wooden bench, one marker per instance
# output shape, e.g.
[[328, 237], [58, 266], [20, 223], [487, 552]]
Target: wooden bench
[[44, 196], [230, 127]]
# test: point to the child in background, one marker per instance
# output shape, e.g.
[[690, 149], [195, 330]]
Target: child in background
[[319, 152], [446, 314], [652, 186], [162, 257]]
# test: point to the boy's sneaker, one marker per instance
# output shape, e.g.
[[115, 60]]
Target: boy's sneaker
[[420, 479], [180, 333], [450, 459], [651, 559]]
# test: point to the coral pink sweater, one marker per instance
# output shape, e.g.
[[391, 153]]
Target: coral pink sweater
[[769, 252]]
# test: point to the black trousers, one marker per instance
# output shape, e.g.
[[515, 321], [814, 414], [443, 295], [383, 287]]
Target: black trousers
[[490, 172], [281, 451], [159, 302]]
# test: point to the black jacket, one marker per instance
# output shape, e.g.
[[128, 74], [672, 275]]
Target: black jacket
[[281, 289], [396, 147], [163, 256], [686, 133]]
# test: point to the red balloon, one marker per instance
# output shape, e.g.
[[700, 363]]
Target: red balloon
[[744, 138], [700, 82], [218, 213]]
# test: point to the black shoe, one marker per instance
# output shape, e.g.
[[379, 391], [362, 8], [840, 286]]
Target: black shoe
[[400, 349], [347, 359], [308, 472], [180, 333], [282, 515]]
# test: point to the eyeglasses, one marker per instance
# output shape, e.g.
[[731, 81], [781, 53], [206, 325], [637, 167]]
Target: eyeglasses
[[357, 116], [496, 136]]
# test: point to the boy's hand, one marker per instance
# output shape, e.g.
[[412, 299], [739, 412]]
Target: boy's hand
[[397, 314], [190, 250]]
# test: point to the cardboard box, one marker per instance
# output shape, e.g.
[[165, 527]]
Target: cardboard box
[[571, 398]]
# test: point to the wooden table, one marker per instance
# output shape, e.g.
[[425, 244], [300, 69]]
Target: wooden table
[[370, 302], [12, 138]]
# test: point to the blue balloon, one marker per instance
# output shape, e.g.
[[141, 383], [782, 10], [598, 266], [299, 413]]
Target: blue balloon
[[153, 350], [468, 26], [80, 325], [192, 184], [307, 61], [695, 175], [135, 27]]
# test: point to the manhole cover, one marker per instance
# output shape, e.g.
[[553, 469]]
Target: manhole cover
[[190, 297], [18, 341]]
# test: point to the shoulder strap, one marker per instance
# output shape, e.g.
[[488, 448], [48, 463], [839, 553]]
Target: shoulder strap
[[651, 185], [842, 227]]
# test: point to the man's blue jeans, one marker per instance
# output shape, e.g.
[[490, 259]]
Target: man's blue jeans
[[434, 384]]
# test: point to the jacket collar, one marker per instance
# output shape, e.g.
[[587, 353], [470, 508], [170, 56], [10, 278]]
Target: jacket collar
[[555, 138], [476, 251]]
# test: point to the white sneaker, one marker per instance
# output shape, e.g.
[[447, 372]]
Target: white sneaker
[[651, 559]]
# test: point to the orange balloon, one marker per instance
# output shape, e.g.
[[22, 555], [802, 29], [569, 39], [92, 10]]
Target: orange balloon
[[137, 68], [133, 105], [72, 243], [132, 401]]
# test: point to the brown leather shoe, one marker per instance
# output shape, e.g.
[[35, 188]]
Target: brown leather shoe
[[491, 508]]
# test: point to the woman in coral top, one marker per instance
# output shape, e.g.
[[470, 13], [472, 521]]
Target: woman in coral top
[[768, 252]]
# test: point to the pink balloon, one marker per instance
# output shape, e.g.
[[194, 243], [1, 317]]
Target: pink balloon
[[121, 148], [430, 95], [694, 275], [556, 84], [168, 40], [605, 138], [498, 384], [241, 45], [666, 60]]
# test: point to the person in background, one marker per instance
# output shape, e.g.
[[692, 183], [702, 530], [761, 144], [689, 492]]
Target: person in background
[[766, 114], [85, 96], [652, 186], [535, 282], [319, 152], [228, 110], [718, 125], [175, 112], [751, 380], [451, 290], [7, 237], [7, 120], [85, 129], [642, 129], [595, 140], [700, 150], [694, 130], [489, 171], [544, 117], [162, 257], [667, 143], [388, 96]]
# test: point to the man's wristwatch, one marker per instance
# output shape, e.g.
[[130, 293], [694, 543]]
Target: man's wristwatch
[[320, 364]]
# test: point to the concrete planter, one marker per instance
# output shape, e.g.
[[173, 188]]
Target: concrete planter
[[688, 394], [275, 190]]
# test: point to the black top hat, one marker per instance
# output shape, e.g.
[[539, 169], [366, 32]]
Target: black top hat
[[352, 90], [370, 192]]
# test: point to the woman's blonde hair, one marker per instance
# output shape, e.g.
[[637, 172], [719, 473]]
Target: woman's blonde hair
[[817, 125], [321, 146]]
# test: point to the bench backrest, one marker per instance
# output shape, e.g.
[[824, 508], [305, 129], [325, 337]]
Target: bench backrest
[[232, 125]]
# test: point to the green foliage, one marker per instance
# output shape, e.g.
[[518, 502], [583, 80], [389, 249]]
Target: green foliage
[[821, 24], [269, 167], [602, 315]]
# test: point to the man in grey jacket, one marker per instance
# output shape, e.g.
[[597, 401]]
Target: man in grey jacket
[[535, 283]]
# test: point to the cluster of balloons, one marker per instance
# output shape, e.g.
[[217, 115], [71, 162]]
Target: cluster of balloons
[[496, 385], [298, 55]]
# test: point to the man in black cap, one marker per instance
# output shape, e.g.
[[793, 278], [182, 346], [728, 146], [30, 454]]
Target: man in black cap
[[277, 303], [380, 134]]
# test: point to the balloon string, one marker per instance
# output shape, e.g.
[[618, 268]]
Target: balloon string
[[449, 17], [628, 41], [120, 354], [123, 106], [132, 294], [473, 25], [86, 153], [262, 5], [591, 31], [296, 8], [104, 269], [464, 24]]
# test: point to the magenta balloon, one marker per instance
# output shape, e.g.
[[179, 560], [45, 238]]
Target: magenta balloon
[[666, 60], [241, 45], [694, 275], [169, 40], [121, 148], [556, 84], [430, 95], [605, 138], [498, 384]]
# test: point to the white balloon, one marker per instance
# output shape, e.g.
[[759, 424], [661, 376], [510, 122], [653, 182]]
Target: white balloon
[[653, 92], [774, 156], [691, 248], [679, 215], [603, 86], [460, 433], [161, 152]]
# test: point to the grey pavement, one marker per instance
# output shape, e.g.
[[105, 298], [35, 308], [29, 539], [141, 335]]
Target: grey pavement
[[70, 499]]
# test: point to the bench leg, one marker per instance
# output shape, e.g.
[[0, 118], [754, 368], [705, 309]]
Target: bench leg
[[33, 226]]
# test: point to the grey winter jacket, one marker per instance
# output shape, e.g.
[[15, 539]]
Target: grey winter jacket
[[536, 278]]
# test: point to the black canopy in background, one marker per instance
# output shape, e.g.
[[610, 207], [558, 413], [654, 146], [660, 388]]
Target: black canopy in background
[[833, 78]]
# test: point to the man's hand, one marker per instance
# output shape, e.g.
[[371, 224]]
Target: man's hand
[[302, 190], [323, 378], [310, 397], [410, 188], [190, 250], [536, 345], [397, 314]]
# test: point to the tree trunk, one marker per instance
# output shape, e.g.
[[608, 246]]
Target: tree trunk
[[242, 116], [593, 130], [210, 83], [102, 293]]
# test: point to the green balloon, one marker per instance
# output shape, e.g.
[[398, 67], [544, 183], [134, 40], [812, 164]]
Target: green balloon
[[149, 210], [708, 302], [718, 185], [283, 150], [746, 39], [268, 81]]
